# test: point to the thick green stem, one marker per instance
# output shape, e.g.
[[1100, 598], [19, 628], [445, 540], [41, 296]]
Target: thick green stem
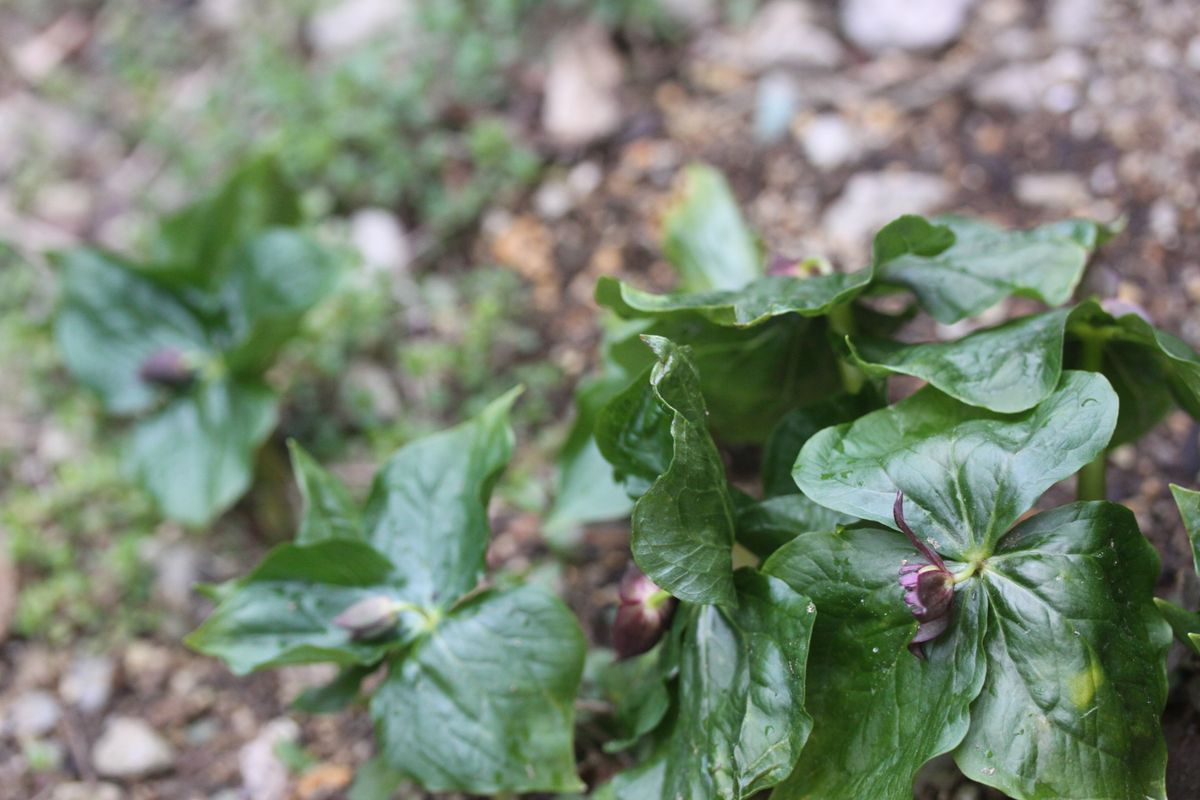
[[1092, 482], [841, 322]]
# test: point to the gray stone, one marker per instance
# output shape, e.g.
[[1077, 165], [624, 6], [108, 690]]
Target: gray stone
[[264, 775], [350, 23], [873, 199], [33, 714], [830, 141], [1061, 191], [785, 33], [130, 748], [1054, 84], [775, 105], [88, 683], [583, 75], [381, 239], [81, 790], [880, 25], [1076, 21]]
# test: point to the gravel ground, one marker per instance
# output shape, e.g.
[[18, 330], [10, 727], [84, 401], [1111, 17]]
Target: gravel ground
[[829, 123]]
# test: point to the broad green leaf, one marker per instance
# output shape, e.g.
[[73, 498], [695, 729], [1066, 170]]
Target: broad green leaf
[[196, 243], [1184, 624], [329, 512], [779, 455], [585, 489], [985, 264], [739, 721], [764, 526], [683, 525], [637, 690], [879, 713], [272, 281], [746, 307], [1188, 502], [111, 319], [375, 780], [1076, 661], [967, 473], [427, 511], [633, 434], [196, 455], [1147, 367], [1011, 367], [485, 702], [705, 236], [331, 697], [283, 611]]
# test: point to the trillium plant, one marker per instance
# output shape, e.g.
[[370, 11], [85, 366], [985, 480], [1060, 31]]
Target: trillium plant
[[180, 340], [830, 583]]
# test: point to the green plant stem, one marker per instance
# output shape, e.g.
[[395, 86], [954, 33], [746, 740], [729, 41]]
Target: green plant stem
[[841, 322], [1092, 482]]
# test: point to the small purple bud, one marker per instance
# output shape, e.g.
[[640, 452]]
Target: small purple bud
[[928, 588], [169, 367], [798, 268], [1122, 308], [369, 618], [643, 616]]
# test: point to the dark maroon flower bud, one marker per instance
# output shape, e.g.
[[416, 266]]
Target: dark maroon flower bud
[[928, 587], [370, 617], [643, 616], [1122, 308], [169, 367]]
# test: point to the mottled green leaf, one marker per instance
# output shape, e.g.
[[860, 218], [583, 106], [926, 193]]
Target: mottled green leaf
[[111, 319], [329, 512], [967, 473], [985, 264], [637, 690], [1011, 367], [779, 455], [196, 456], [427, 511], [331, 697], [273, 280], [633, 434], [485, 702], [283, 611], [683, 524], [1188, 501], [764, 526], [738, 723], [705, 237], [879, 713], [375, 780], [1076, 661], [1184, 624]]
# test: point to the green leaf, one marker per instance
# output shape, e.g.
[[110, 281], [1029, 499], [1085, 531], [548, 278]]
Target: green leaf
[[637, 690], [485, 702], [196, 244], [1076, 654], [283, 611], [683, 525], [633, 434], [752, 305], [427, 511], [196, 455], [739, 722], [1184, 624], [1008, 368], [766, 525], [986, 264], [334, 696], [967, 473], [586, 490], [879, 713], [111, 319], [329, 512], [1188, 502], [705, 236], [273, 280], [375, 780], [798, 427]]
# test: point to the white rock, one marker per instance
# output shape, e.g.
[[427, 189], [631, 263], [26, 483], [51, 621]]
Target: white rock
[[222, 15], [80, 790], [1192, 55], [583, 75], [1054, 84], [693, 13], [785, 33], [873, 199], [381, 239], [584, 178], [1061, 191], [88, 683], [264, 775], [1076, 21], [33, 714], [553, 199], [775, 104], [130, 748], [353, 22], [1164, 221], [879, 25], [830, 141]]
